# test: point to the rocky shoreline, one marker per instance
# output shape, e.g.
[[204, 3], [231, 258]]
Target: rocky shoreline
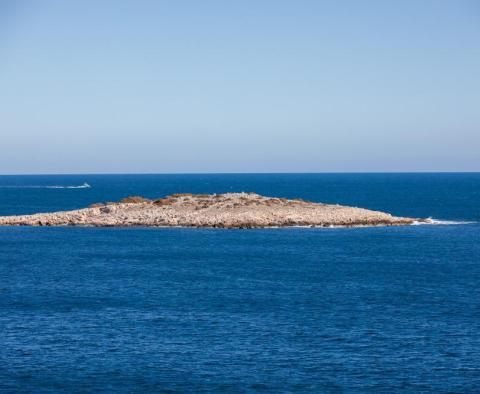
[[230, 210]]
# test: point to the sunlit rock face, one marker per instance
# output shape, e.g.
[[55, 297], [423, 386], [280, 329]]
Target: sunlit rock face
[[230, 210]]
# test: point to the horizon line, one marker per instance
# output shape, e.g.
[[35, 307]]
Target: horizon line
[[239, 173]]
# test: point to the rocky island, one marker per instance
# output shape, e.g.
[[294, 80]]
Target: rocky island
[[230, 210]]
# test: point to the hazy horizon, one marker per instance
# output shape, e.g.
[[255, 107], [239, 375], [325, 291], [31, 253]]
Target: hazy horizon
[[252, 87], [236, 173]]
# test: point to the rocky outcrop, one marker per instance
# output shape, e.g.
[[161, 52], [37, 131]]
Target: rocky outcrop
[[230, 210]]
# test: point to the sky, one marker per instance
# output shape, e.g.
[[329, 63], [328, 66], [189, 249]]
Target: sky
[[239, 86]]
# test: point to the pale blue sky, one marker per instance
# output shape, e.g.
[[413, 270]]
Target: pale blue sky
[[239, 86]]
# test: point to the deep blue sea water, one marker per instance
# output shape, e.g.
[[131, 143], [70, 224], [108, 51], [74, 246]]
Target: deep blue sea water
[[386, 309]]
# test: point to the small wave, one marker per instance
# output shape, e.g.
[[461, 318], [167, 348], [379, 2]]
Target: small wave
[[83, 186], [430, 221]]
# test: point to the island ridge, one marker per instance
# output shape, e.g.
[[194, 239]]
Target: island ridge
[[230, 210]]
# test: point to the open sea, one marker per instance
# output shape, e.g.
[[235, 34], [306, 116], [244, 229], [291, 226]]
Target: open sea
[[382, 310]]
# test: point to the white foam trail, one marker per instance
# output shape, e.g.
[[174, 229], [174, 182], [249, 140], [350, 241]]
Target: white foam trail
[[83, 186], [430, 221]]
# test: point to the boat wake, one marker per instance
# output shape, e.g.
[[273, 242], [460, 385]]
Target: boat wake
[[430, 221], [83, 186]]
